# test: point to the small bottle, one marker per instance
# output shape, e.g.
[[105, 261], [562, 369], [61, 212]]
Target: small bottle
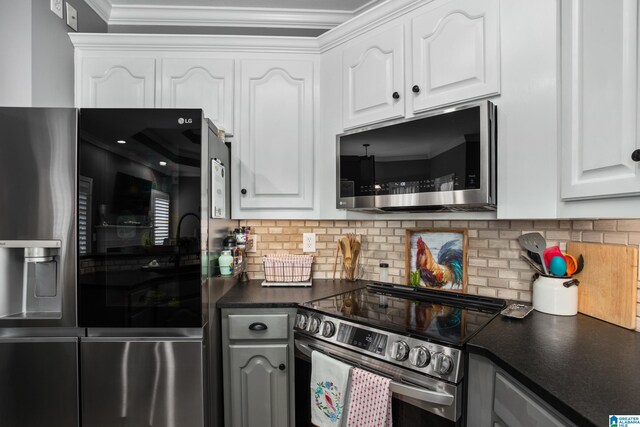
[[226, 263], [384, 272], [384, 277]]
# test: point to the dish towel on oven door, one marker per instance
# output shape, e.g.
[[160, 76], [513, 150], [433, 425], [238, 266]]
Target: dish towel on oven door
[[370, 400], [329, 390]]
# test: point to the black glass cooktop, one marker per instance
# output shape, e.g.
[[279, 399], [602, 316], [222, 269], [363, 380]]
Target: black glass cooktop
[[439, 316]]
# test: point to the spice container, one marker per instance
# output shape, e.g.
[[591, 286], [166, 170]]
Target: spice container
[[384, 272]]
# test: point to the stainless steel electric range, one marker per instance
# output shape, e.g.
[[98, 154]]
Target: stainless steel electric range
[[415, 336]]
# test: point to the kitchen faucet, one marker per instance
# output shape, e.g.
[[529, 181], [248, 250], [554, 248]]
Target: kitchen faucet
[[178, 234]]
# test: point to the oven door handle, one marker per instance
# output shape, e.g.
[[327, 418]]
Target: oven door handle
[[422, 394], [418, 393]]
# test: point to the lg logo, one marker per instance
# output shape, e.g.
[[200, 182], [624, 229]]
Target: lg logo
[[182, 121]]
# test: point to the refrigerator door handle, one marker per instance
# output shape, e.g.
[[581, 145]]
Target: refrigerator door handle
[[140, 339], [17, 340], [30, 244]]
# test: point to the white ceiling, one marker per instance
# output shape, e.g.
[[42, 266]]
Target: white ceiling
[[250, 14]]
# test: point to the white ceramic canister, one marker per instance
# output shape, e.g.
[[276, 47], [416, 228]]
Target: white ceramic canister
[[552, 297]]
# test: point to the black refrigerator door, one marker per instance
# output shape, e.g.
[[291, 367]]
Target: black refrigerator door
[[39, 382], [140, 205]]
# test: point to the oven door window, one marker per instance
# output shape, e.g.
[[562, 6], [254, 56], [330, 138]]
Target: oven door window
[[435, 154]]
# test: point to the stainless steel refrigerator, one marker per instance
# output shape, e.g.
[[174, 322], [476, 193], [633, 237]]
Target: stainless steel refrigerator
[[38, 321], [145, 198], [106, 216]]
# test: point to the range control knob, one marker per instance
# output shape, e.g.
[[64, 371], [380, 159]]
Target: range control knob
[[328, 329], [442, 363], [314, 324], [301, 321], [399, 351], [419, 357]]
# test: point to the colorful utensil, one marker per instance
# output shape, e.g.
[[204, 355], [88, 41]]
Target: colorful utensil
[[549, 253]]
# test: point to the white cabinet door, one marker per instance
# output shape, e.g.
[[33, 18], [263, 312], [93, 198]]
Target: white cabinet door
[[599, 98], [200, 83], [455, 53], [276, 134], [373, 78], [117, 82]]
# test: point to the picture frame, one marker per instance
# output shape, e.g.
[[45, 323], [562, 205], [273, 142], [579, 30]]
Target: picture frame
[[436, 259]]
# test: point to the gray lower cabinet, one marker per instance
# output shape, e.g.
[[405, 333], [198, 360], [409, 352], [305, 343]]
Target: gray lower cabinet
[[132, 382], [257, 357], [495, 398]]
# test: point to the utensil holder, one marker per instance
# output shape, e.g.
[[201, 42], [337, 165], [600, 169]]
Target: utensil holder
[[552, 297]]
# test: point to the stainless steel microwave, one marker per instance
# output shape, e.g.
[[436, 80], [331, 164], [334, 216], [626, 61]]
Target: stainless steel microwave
[[445, 160]]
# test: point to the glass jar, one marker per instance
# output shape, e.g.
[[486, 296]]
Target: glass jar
[[384, 272]]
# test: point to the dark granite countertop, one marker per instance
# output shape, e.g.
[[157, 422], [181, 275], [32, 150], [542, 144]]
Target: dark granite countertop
[[252, 294], [586, 368]]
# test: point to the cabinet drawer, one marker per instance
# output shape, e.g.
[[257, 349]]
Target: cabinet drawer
[[258, 327], [517, 408]]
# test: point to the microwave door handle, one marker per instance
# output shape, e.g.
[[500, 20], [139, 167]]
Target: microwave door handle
[[422, 394]]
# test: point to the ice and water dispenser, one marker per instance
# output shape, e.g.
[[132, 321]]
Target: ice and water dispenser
[[29, 273]]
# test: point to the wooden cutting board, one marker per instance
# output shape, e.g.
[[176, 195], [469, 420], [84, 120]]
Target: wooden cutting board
[[608, 283]]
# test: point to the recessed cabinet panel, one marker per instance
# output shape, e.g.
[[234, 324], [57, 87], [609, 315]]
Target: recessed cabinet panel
[[599, 99], [276, 134], [118, 83], [200, 83], [455, 53], [373, 70], [516, 408], [259, 388]]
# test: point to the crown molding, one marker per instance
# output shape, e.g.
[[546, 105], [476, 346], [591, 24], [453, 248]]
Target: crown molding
[[101, 7], [193, 43], [354, 27], [202, 16], [372, 18]]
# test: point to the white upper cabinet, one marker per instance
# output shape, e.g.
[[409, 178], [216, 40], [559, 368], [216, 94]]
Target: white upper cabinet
[[199, 83], [276, 135], [456, 54], [116, 82], [373, 78], [599, 99]]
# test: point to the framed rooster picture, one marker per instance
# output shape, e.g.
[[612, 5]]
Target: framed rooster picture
[[436, 258]]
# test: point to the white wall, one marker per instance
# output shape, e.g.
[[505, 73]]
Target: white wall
[[36, 55]]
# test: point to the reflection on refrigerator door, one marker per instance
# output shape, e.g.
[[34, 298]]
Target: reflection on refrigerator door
[[134, 382]]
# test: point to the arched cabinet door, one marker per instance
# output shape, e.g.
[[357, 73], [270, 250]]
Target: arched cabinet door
[[259, 385], [117, 82], [275, 142], [200, 83], [455, 53], [373, 78]]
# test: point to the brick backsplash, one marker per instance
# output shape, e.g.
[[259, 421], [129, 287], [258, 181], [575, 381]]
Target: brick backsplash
[[494, 268]]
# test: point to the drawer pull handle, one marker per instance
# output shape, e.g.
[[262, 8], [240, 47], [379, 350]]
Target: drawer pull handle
[[258, 326], [282, 367]]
